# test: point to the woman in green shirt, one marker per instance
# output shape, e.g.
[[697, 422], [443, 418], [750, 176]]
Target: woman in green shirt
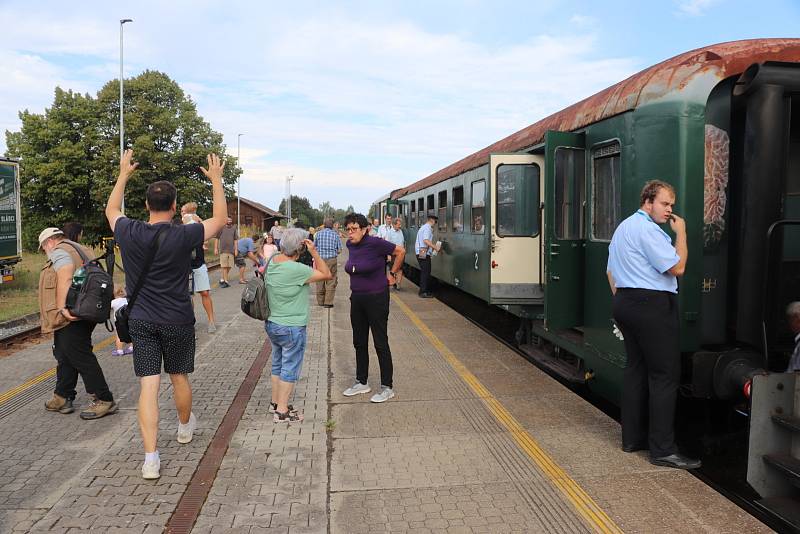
[[288, 292]]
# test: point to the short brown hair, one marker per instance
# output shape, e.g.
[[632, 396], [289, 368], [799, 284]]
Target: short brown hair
[[651, 189], [161, 195]]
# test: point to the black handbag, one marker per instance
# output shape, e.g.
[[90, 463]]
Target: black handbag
[[122, 315]]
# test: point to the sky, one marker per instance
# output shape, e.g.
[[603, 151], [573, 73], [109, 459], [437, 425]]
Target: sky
[[354, 99]]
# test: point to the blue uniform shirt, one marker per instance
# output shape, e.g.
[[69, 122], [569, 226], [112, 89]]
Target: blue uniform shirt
[[641, 253], [245, 245], [425, 232]]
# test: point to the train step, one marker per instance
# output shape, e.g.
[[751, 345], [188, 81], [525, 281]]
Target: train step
[[786, 464], [787, 421], [786, 508], [573, 374]]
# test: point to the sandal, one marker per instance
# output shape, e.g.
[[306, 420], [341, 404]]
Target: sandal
[[292, 416], [273, 407]]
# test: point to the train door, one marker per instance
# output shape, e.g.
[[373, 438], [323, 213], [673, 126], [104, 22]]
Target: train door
[[515, 197], [565, 203]]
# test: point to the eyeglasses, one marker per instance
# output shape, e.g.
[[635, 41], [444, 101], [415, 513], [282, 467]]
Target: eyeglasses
[[351, 229]]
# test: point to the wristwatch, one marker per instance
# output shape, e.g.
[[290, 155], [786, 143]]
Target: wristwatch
[[392, 273]]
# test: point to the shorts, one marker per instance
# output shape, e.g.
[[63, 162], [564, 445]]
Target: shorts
[[241, 260], [226, 260], [153, 343], [288, 349], [200, 278]]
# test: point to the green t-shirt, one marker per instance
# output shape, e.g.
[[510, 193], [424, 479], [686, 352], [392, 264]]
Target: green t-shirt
[[288, 293]]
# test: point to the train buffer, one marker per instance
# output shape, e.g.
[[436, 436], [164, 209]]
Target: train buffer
[[476, 440]]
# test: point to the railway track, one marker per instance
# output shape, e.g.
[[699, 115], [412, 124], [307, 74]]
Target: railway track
[[16, 333]]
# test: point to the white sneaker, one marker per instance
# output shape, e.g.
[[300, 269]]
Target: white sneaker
[[186, 432], [211, 328], [356, 389], [151, 470], [385, 394]]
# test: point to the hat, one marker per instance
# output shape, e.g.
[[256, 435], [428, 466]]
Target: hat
[[47, 233]]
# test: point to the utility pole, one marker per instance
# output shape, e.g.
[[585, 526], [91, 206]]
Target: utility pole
[[289, 198], [121, 118]]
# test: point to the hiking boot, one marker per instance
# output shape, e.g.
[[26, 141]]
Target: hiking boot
[[59, 404], [186, 432], [98, 408], [385, 394], [151, 470], [356, 389], [292, 416], [223, 283]]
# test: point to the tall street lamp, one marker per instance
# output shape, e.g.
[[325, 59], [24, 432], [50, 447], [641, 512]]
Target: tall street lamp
[[239, 184], [289, 199], [121, 119]]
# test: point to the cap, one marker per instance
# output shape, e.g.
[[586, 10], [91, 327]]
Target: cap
[[47, 233]]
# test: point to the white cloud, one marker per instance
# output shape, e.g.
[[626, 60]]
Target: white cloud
[[695, 8]]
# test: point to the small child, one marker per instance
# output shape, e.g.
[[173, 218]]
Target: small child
[[119, 301]]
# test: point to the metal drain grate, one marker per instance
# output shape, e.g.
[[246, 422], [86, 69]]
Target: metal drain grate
[[31, 393]]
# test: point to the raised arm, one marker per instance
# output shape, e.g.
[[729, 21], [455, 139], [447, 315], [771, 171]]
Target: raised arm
[[213, 225], [681, 248], [114, 204]]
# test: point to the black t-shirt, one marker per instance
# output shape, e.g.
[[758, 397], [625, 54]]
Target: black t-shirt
[[164, 297]]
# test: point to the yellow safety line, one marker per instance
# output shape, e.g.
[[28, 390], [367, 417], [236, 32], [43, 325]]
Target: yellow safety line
[[582, 502]]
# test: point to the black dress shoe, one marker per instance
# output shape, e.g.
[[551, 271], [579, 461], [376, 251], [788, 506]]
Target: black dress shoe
[[633, 447], [676, 461], [427, 295]]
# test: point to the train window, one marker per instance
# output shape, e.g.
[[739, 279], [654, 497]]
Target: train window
[[394, 210], [421, 211], [517, 200], [431, 207], [413, 213], [606, 191], [478, 207], [443, 210], [458, 209], [570, 182]]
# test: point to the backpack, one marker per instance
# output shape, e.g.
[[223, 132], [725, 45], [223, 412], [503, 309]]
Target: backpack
[[91, 300], [255, 302]]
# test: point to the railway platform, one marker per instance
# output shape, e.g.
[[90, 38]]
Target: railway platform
[[476, 440]]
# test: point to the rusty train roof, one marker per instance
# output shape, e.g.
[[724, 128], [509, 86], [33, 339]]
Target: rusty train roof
[[725, 59]]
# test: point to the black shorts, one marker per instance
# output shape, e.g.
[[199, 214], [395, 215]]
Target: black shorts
[[152, 343], [239, 261]]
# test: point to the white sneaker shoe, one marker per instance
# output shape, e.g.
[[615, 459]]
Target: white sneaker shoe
[[151, 470], [356, 389], [385, 394], [186, 432]]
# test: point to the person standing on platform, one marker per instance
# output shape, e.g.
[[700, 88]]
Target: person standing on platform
[[200, 280], [245, 248], [161, 321], [423, 248], [369, 302], [72, 337], [329, 246], [373, 228], [643, 266], [793, 316], [287, 289], [225, 246], [277, 233], [395, 235], [385, 228]]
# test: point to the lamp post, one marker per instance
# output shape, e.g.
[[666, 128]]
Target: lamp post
[[121, 105], [289, 199], [239, 185]]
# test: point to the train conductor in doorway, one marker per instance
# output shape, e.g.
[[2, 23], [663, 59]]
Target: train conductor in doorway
[[424, 247], [643, 271]]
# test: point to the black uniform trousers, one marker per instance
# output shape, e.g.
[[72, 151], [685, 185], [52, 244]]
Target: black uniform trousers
[[72, 348], [648, 320], [424, 274], [371, 312]]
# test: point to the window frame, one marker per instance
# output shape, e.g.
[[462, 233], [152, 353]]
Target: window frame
[[580, 234], [537, 189], [454, 206], [442, 222], [592, 179], [412, 222], [421, 219], [472, 206]]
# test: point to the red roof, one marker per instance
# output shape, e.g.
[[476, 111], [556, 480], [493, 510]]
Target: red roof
[[723, 60]]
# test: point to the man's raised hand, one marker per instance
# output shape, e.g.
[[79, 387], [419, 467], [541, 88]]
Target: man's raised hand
[[126, 165], [215, 168]]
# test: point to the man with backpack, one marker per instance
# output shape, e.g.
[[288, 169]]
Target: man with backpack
[[72, 335], [160, 316]]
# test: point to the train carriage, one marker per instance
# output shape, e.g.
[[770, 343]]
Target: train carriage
[[527, 221]]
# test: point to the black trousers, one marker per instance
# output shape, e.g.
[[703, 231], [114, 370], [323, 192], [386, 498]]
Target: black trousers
[[649, 322], [371, 312], [72, 348], [424, 274]]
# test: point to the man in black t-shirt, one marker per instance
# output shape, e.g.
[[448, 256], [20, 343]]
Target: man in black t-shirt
[[162, 319]]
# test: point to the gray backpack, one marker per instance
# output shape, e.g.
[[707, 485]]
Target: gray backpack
[[255, 302]]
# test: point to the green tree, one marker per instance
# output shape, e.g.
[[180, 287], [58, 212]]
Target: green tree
[[302, 211], [70, 153]]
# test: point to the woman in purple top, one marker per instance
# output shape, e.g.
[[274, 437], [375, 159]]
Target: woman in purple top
[[369, 302]]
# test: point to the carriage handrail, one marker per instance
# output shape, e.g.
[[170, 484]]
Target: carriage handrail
[[765, 283]]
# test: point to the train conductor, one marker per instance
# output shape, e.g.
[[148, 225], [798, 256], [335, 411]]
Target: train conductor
[[643, 266]]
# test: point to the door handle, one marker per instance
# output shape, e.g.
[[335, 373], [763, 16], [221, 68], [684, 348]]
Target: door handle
[[554, 249], [555, 278], [476, 261]]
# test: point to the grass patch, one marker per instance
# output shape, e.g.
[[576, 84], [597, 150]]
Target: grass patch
[[330, 425]]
